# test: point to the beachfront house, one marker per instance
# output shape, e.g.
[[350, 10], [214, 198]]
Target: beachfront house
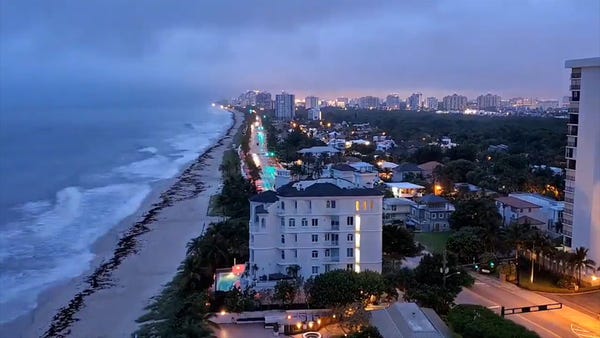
[[319, 225]]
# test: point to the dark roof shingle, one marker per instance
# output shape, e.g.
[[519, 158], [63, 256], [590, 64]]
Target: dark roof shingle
[[268, 196], [325, 189]]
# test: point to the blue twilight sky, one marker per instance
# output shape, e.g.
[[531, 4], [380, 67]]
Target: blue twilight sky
[[106, 52]]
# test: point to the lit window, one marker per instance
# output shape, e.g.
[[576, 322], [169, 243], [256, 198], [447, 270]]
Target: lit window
[[315, 238], [357, 205], [372, 204], [304, 222], [315, 254], [364, 205]]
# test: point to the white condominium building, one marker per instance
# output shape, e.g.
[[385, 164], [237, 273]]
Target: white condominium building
[[320, 225], [582, 186]]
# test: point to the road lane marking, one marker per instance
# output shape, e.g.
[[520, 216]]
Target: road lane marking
[[538, 325], [583, 333]]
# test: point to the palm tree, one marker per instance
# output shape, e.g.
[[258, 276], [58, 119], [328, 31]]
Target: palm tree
[[517, 235], [579, 260]]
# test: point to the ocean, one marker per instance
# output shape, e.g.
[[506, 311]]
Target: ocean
[[68, 176]]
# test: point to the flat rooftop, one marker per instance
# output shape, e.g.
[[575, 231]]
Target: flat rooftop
[[581, 63]]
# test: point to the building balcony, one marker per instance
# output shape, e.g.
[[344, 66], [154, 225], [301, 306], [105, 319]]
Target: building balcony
[[574, 87], [334, 259], [575, 75], [332, 243], [335, 227]]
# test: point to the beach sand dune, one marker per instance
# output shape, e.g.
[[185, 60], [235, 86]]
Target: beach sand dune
[[134, 262]]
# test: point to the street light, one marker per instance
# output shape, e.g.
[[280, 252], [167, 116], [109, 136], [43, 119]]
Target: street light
[[444, 272]]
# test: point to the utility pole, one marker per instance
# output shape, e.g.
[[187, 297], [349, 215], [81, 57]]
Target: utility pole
[[444, 269]]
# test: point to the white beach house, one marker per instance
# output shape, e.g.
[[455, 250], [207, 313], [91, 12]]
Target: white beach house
[[319, 225]]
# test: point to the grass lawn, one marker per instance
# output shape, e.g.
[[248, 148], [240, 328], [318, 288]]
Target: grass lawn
[[544, 281], [433, 241]]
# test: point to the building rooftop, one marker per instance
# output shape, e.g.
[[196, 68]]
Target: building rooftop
[[432, 199], [407, 166], [515, 202], [429, 166], [408, 320], [296, 189], [529, 220], [342, 167], [579, 63], [397, 201], [318, 150], [404, 185], [388, 165], [268, 196]]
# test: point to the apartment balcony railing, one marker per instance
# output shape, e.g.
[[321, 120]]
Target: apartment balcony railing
[[575, 75], [332, 259], [575, 87]]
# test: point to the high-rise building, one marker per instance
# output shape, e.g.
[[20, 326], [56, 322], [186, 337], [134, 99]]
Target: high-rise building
[[431, 103], [341, 102], [581, 223], [320, 225], [368, 102], [488, 101], [392, 101], [414, 101], [314, 114], [263, 100], [455, 102], [284, 106], [248, 98], [311, 102]]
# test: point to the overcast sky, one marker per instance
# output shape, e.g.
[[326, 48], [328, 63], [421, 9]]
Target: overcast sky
[[84, 52]]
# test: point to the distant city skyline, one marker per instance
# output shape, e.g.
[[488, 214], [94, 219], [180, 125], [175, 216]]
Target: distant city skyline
[[96, 52]]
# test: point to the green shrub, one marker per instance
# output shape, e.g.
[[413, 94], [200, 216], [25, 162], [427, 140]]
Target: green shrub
[[475, 321]]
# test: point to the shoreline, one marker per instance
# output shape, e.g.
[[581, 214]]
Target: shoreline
[[153, 239]]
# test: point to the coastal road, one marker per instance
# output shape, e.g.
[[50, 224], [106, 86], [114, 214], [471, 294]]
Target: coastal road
[[259, 152], [562, 323]]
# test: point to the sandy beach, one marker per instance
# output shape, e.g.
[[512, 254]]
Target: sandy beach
[[134, 261]]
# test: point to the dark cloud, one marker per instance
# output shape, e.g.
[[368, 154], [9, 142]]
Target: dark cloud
[[114, 51]]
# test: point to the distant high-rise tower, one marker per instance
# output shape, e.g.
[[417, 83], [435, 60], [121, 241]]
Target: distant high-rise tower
[[431, 103], [392, 101], [488, 101], [311, 102], [368, 102], [263, 100], [414, 101], [455, 102], [284, 106], [581, 220]]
